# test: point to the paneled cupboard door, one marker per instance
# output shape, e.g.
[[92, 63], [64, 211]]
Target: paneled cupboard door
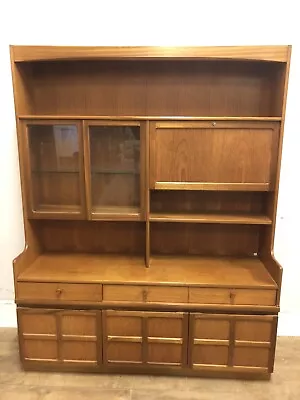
[[68, 337], [213, 155], [145, 338], [54, 169], [232, 342], [114, 170]]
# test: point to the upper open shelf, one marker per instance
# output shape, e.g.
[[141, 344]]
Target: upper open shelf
[[157, 88]]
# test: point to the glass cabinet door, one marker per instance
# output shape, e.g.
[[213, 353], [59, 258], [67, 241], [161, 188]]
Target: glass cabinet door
[[114, 171], [55, 170]]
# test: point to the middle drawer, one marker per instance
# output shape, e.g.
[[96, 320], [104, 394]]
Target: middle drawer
[[145, 294]]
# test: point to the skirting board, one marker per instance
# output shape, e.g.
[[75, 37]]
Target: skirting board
[[288, 324]]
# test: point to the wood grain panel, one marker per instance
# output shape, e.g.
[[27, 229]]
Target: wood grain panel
[[40, 350], [207, 239], [145, 337], [238, 154], [130, 353], [256, 331], [92, 237], [251, 357], [123, 293], [78, 324], [123, 325], [79, 352], [210, 355], [232, 296], [267, 53], [213, 329], [187, 202], [38, 323], [170, 354], [245, 272], [59, 292], [165, 88], [158, 327], [232, 341], [262, 297], [156, 294]]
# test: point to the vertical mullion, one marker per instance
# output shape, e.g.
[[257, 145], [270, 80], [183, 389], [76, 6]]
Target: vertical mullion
[[147, 192], [232, 328], [87, 168], [191, 339], [80, 132], [99, 340], [145, 338], [104, 337], [58, 317], [185, 336], [273, 343]]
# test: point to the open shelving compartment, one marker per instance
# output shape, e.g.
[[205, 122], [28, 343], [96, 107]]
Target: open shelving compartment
[[149, 169]]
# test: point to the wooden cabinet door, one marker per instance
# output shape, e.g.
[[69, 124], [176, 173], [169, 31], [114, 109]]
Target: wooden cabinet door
[[145, 338], [115, 169], [80, 341], [38, 335], [213, 155], [233, 342], [54, 169], [60, 336]]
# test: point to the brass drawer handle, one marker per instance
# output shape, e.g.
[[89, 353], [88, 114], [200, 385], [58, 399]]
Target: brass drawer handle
[[145, 295], [59, 292]]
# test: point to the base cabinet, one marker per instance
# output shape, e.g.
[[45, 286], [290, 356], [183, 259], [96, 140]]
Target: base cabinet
[[142, 340], [236, 342]]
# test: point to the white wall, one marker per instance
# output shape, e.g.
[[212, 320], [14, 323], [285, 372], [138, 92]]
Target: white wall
[[152, 23]]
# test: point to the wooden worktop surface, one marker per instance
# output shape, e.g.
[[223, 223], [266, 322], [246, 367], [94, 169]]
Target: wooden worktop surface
[[200, 271]]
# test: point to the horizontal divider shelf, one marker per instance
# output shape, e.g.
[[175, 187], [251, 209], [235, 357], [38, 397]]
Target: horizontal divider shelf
[[241, 187], [117, 171], [147, 117], [116, 213], [211, 218], [54, 171]]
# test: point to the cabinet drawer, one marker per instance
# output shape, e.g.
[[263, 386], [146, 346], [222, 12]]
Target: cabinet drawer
[[155, 294], [264, 297], [89, 292]]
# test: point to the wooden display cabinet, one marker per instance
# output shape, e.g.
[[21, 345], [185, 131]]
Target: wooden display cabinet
[[149, 183]]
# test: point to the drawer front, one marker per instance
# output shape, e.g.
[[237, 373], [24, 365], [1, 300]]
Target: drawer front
[[61, 292], [262, 297], [158, 294], [150, 294]]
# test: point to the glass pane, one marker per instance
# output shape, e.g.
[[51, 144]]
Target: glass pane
[[54, 164], [115, 168]]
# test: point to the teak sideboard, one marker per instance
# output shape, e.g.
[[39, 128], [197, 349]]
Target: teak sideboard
[[149, 182]]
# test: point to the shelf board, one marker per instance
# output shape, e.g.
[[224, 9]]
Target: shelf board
[[49, 171], [56, 53], [239, 187], [179, 270], [212, 218], [116, 213], [147, 117], [115, 171]]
